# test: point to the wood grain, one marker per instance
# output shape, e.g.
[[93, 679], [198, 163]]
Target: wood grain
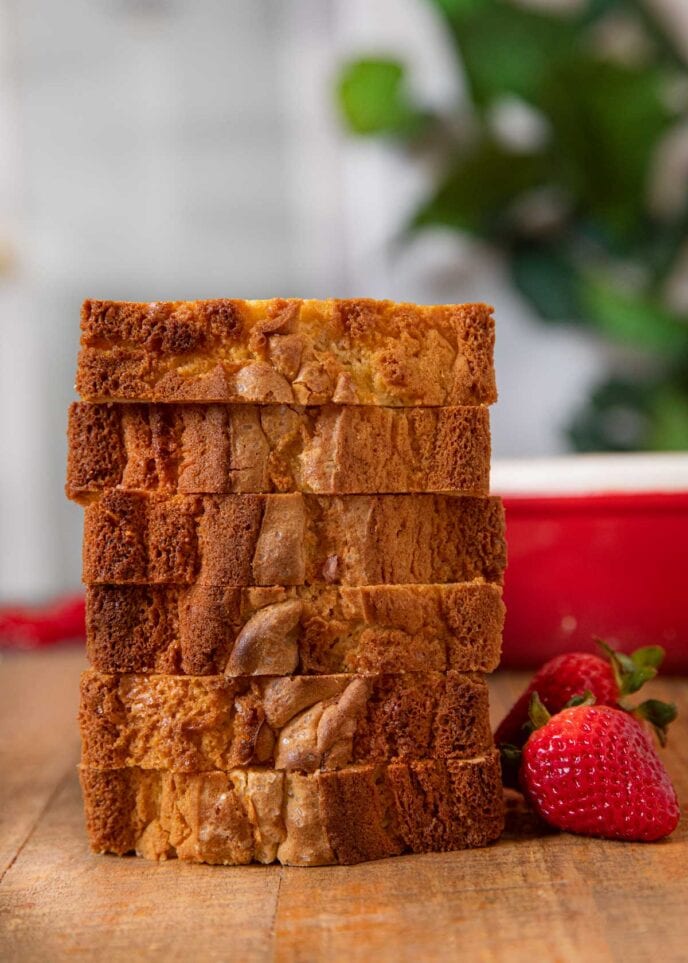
[[39, 742], [534, 895]]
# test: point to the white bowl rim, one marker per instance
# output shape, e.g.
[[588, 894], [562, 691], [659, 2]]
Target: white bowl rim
[[591, 474]]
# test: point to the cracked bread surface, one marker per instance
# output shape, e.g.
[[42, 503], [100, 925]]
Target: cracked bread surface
[[224, 449], [280, 351], [304, 723], [206, 630], [292, 539], [247, 815]]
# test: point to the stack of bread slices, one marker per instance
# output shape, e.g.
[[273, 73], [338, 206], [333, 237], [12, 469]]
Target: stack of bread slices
[[293, 571]]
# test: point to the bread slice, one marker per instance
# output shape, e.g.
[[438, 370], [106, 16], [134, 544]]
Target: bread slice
[[221, 449], [198, 723], [326, 629], [292, 539], [287, 352], [246, 815]]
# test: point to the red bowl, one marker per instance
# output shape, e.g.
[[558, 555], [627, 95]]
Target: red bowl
[[598, 547]]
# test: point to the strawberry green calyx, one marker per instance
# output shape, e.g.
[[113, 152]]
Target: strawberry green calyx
[[510, 758], [538, 715], [633, 671], [659, 714], [510, 755], [584, 699]]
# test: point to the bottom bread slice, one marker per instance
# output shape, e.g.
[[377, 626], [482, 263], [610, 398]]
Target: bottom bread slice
[[246, 815]]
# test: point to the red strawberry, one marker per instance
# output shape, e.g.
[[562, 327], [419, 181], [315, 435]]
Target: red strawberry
[[594, 770], [556, 682], [574, 673]]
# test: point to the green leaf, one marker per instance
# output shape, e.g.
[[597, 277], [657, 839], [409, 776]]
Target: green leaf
[[625, 661], [631, 671], [479, 191], [662, 713], [596, 9], [537, 713], [648, 655], [633, 318], [606, 121], [548, 279], [510, 757], [669, 419], [615, 418], [505, 48], [627, 416], [459, 8], [374, 99], [659, 714], [635, 680], [581, 699]]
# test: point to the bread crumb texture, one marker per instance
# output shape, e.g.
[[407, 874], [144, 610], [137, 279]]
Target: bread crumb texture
[[293, 539], [359, 352], [224, 449], [305, 723], [204, 629], [343, 816]]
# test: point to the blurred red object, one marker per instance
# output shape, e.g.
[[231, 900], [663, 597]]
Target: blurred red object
[[32, 627], [600, 550]]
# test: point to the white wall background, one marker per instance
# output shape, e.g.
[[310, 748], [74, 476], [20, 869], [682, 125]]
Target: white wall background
[[190, 148]]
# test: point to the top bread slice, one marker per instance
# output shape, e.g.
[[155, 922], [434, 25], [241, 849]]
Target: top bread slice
[[305, 352]]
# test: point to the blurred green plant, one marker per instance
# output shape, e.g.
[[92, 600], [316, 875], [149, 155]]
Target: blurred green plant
[[571, 209]]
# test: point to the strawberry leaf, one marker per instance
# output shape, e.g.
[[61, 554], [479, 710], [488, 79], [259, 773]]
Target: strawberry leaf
[[659, 714], [625, 662], [582, 699], [537, 713], [636, 679], [633, 671], [510, 757], [649, 655]]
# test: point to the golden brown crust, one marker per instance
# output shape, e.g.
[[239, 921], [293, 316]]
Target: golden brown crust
[[224, 449], [287, 352], [303, 723], [204, 630], [347, 816], [292, 539]]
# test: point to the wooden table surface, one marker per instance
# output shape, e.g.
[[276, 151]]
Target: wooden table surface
[[531, 896]]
